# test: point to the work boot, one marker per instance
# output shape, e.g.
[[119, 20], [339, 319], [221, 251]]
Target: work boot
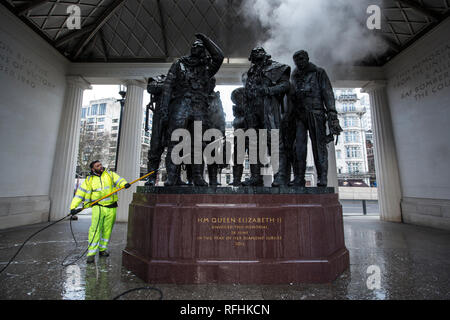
[[198, 176], [256, 179], [90, 259], [103, 253], [212, 174]]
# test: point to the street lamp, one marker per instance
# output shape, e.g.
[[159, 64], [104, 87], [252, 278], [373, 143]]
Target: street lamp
[[122, 93]]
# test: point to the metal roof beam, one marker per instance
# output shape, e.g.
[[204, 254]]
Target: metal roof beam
[[98, 24], [74, 34], [163, 28], [27, 7], [419, 8]]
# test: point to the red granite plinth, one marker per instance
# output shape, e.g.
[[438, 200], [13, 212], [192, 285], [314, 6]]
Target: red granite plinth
[[236, 238]]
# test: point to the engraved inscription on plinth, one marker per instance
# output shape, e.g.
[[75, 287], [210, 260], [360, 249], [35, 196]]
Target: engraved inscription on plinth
[[238, 231]]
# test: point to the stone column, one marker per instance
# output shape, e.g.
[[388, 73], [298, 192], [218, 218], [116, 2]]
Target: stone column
[[385, 152], [65, 161], [129, 158]]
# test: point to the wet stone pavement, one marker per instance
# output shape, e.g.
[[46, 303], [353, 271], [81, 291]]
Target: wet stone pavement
[[414, 263]]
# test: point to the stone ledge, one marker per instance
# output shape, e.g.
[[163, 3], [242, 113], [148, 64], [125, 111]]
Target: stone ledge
[[18, 211], [427, 221], [235, 190], [427, 212]]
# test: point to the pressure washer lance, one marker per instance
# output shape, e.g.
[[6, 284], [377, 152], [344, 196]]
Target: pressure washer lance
[[73, 212]]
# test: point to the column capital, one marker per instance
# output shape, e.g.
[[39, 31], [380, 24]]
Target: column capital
[[135, 82], [373, 85], [78, 81]]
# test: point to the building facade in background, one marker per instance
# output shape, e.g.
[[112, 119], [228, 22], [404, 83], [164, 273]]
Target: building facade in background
[[99, 135], [352, 148]]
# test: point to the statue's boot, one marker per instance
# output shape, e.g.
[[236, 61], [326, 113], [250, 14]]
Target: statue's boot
[[279, 180], [297, 182], [212, 174], [180, 182], [151, 180], [256, 179], [299, 176], [172, 174], [198, 176], [190, 181], [237, 175], [323, 180]]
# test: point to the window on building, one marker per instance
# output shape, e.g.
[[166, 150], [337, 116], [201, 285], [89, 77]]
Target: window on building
[[338, 154], [353, 167], [94, 110], [91, 120], [115, 120], [350, 121], [351, 136], [100, 119], [100, 126], [114, 135], [353, 152], [102, 109], [90, 127], [147, 134], [83, 113], [114, 127], [146, 140]]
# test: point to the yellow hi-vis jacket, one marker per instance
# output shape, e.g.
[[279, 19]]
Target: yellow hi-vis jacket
[[94, 187]]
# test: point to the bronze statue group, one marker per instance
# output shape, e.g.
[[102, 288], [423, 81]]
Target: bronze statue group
[[272, 98]]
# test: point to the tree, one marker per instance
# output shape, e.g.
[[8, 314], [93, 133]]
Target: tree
[[94, 145]]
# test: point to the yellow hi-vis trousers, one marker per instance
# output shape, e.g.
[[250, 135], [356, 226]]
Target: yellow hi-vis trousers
[[101, 227]]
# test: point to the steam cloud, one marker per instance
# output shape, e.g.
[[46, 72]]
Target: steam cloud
[[332, 31]]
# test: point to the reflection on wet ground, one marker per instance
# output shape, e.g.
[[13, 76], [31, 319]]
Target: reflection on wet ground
[[387, 261]]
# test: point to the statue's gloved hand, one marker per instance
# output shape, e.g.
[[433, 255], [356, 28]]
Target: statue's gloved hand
[[333, 124]]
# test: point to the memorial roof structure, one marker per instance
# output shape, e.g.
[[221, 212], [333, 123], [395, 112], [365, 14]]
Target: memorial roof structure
[[160, 30]]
